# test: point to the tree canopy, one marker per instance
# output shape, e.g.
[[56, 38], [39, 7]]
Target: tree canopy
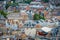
[[28, 1], [45, 1], [38, 17], [3, 13]]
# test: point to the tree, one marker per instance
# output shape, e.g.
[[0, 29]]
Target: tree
[[28, 1], [7, 5], [38, 17], [13, 1], [45, 1], [14, 4], [10, 4], [3, 13]]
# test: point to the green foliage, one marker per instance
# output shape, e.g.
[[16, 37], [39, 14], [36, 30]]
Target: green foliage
[[28, 1], [7, 5], [45, 1], [3, 13], [38, 17], [13, 1], [10, 4]]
